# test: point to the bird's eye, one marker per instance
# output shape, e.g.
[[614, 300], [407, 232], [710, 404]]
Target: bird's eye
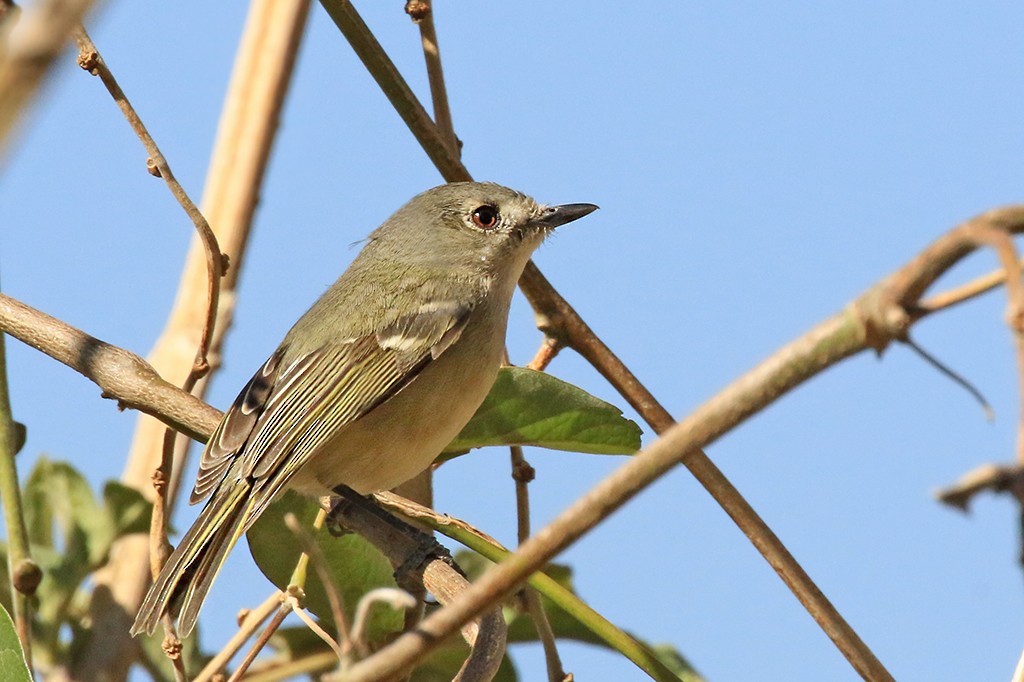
[[485, 217]]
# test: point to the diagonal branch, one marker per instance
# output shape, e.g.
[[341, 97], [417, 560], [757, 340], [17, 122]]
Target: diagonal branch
[[870, 322], [560, 322]]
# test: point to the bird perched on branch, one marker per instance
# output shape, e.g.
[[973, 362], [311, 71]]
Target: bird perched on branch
[[373, 381]]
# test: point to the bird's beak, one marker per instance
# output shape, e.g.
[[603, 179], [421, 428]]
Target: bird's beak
[[554, 216]]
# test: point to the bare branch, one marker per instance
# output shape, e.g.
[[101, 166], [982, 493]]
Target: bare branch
[[523, 474], [396, 89], [250, 622], [283, 610], [422, 13], [122, 375], [870, 322], [92, 61]]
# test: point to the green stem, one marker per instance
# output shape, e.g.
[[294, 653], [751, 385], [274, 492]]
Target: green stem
[[24, 572]]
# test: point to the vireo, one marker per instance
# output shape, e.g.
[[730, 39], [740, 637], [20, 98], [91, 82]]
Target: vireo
[[373, 381]]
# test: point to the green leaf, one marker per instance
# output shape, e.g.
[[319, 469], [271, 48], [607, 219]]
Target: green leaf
[[355, 565], [12, 659], [127, 509], [57, 495], [71, 534], [65, 527], [526, 407]]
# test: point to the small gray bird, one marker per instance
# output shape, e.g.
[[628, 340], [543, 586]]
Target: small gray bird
[[372, 382]]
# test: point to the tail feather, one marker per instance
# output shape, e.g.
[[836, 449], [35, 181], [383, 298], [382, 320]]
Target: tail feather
[[209, 566], [189, 572]]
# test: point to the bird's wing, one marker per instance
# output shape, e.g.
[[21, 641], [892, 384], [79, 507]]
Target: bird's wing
[[289, 410]]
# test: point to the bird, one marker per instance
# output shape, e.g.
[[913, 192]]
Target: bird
[[372, 382]]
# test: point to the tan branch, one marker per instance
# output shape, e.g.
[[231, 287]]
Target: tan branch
[[559, 321], [248, 624], [871, 322], [282, 612], [422, 13], [122, 375], [523, 474]]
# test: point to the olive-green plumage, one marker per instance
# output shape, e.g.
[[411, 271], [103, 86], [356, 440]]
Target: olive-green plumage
[[372, 381]]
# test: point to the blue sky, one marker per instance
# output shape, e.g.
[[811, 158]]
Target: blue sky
[[757, 166]]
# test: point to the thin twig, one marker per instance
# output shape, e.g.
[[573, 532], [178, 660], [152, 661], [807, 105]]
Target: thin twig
[[391, 596], [252, 106], [319, 561], [422, 13], [549, 348], [957, 378], [963, 293], [92, 61], [395, 88], [568, 325], [523, 474], [248, 625], [282, 612], [988, 477], [320, 632]]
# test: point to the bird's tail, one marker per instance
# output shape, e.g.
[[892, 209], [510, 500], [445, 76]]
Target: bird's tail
[[188, 574]]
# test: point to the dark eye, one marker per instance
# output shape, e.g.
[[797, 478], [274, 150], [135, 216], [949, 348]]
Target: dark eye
[[485, 217]]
